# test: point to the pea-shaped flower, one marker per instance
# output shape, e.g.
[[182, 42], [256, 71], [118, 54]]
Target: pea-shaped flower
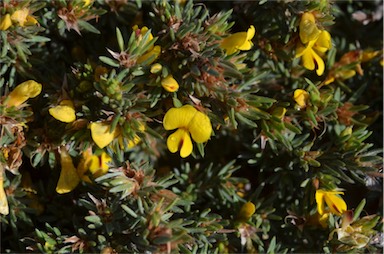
[[335, 203], [311, 53], [170, 84], [246, 211], [301, 97], [22, 92], [188, 121], [64, 112], [238, 41]]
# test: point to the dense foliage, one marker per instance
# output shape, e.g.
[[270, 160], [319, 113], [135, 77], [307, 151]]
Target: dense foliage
[[191, 127]]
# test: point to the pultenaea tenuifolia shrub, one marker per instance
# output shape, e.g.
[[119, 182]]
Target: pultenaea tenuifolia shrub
[[191, 127]]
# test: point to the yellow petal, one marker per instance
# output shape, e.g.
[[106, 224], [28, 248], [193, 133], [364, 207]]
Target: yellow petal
[[150, 56], [180, 140], [323, 220], [64, 112], [22, 92], [178, 117], [319, 63], [301, 96], [69, 178], [170, 84], [323, 43], [250, 33], [335, 203], [231, 43], [301, 50], [87, 2], [5, 22], [20, 16], [319, 196], [367, 54], [247, 45], [279, 112], [83, 166], [246, 211], [308, 60], [4, 208], [101, 135], [200, 127], [308, 30], [99, 164], [134, 142], [31, 21]]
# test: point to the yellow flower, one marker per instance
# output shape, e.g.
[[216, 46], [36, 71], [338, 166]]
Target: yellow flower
[[153, 52], [69, 178], [156, 68], [187, 120], [22, 92], [310, 53], [5, 22], [301, 97], [150, 56], [308, 30], [246, 211], [99, 164], [279, 112], [170, 84], [132, 142], [101, 135], [238, 41], [141, 32], [64, 112], [87, 2], [335, 203], [22, 18], [4, 208]]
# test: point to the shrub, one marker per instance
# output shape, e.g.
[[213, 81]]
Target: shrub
[[191, 127]]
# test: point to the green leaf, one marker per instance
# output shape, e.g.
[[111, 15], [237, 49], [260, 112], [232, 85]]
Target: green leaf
[[86, 26], [358, 209], [120, 40], [109, 61]]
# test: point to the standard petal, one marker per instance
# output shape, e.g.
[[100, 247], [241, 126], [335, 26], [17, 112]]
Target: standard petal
[[20, 16], [69, 178], [335, 203], [308, 30], [319, 196], [200, 127], [101, 135], [180, 140], [178, 117]]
